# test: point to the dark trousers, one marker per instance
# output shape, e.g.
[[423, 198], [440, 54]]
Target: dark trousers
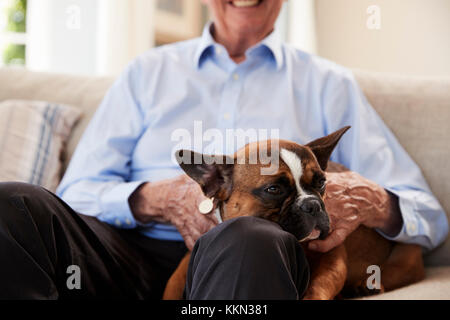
[[247, 258], [42, 238]]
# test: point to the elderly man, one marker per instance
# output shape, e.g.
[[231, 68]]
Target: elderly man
[[133, 214]]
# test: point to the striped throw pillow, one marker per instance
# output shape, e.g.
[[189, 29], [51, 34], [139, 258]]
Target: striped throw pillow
[[33, 135]]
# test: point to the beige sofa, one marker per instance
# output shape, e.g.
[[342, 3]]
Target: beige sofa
[[416, 109]]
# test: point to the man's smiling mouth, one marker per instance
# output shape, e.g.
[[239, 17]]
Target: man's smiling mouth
[[245, 3]]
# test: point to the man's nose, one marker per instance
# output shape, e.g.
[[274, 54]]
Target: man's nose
[[310, 206]]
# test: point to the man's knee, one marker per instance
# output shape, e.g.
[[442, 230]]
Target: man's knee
[[252, 239], [245, 250], [250, 232], [18, 197], [14, 190], [11, 189]]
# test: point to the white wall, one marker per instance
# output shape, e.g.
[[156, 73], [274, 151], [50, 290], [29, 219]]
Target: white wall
[[87, 36], [55, 42], [125, 29], [302, 25], [413, 39]]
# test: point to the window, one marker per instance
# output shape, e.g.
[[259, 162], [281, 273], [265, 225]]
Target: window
[[13, 32]]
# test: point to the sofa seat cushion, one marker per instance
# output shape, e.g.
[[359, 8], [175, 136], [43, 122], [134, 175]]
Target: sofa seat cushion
[[435, 286]]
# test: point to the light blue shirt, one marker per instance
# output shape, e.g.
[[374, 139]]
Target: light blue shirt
[[130, 140]]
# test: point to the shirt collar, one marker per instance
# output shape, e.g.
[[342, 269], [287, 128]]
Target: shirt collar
[[273, 43], [207, 43]]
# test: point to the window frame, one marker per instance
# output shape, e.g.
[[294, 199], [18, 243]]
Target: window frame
[[12, 38]]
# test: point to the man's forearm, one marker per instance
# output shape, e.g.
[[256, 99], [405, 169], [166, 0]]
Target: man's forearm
[[174, 201], [165, 200], [393, 221], [148, 203]]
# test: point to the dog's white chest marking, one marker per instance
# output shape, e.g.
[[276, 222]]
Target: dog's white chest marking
[[294, 163]]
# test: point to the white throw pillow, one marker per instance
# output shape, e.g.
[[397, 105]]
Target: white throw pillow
[[33, 135]]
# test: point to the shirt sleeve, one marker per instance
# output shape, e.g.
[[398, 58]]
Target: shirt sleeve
[[372, 150], [96, 182]]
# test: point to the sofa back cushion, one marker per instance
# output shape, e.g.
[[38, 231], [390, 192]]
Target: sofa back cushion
[[417, 110], [84, 93]]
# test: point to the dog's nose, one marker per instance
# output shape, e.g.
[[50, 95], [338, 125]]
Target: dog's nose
[[311, 206]]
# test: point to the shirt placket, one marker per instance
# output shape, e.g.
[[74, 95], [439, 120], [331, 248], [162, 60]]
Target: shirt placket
[[229, 102]]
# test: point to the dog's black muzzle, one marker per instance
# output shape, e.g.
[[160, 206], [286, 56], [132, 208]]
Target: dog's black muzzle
[[305, 215]]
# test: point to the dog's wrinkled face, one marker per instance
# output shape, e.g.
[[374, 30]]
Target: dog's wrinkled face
[[292, 197]]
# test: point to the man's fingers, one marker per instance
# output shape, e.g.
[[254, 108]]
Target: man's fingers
[[212, 221], [333, 240]]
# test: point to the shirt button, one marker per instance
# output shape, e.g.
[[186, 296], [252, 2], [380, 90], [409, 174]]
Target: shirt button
[[117, 222], [236, 76], [411, 227], [128, 221], [226, 116], [218, 50]]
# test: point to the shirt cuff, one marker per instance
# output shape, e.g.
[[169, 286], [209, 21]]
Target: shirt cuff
[[408, 210], [115, 207]]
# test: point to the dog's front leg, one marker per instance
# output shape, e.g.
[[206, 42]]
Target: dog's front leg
[[328, 273], [175, 286]]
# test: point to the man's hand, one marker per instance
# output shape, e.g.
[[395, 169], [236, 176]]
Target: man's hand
[[173, 201], [352, 200]]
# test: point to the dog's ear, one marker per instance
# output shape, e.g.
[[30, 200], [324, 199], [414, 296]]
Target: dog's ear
[[323, 147], [212, 173]]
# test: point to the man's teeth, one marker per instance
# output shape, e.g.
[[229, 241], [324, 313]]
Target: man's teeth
[[245, 3]]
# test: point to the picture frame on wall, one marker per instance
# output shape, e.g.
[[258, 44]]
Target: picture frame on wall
[[178, 20]]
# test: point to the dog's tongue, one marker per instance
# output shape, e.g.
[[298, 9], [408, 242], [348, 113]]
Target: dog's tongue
[[313, 235]]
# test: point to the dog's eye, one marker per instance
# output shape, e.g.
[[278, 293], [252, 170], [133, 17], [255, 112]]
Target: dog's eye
[[321, 184], [273, 189]]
